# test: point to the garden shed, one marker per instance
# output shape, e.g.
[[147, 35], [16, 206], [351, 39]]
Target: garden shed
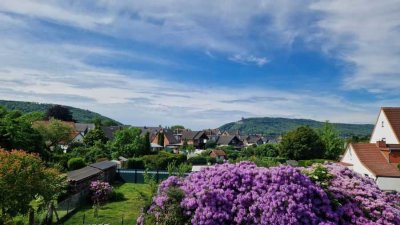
[[79, 180], [108, 168]]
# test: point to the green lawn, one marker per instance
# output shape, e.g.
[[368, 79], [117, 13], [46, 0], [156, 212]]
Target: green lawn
[[112, 212]]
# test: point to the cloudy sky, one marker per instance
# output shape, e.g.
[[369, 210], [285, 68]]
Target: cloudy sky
[[204, 63]]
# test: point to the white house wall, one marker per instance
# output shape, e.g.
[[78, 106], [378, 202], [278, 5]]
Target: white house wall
[[388, 183], [351, 157], [383, 132]]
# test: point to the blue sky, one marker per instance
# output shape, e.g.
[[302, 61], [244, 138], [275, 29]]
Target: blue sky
[[204, 63]]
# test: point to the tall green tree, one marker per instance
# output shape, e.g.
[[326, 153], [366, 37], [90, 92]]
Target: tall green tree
[[128, 143], [147, 144], [60, 113], [301, 143], [94, 135], [16, 132], [23, 176], [54, 132], [334, 145], [160, 139]]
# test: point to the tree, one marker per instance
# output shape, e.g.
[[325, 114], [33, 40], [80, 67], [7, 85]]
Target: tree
[[147, 144], [128, 143], [54, 132], [59, 112], [211, 144], [17, 133], [176, 127], [333, 144], [160, 139], [23, 177], [301, 143], [94, 135]]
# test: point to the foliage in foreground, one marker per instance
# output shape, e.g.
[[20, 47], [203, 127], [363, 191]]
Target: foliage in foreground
[[23, 177], [243, 193]]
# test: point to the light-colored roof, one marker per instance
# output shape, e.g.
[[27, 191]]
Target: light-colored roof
[[372, 157]]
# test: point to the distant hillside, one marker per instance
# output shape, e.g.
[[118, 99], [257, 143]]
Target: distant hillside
[[277, 126], [80, 115]]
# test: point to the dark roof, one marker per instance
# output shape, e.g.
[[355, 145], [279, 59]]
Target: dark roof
[[103, 165], [372, 157], [84, 127], [192, 135], [110, 131], [170, 136], [393, 115], [226, 139], [152, 131], [253, 139], [83, 173]]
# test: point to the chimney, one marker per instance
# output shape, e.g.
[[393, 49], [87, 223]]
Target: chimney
[[381, 144]]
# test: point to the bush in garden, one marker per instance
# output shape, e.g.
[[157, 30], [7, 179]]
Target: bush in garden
[[76, 163], [162, 159], [243, 193], [135, 163], [100, 192], [198, 160]]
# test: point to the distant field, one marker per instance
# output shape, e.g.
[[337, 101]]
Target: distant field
[[112, 213]]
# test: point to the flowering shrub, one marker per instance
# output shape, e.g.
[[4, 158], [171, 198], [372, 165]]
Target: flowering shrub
[[243, 193], [101, 191]]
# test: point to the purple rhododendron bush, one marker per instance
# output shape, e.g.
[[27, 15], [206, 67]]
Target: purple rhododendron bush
[[243, 193]]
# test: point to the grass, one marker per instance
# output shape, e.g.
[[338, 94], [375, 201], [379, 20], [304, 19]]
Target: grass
[[112, 213]]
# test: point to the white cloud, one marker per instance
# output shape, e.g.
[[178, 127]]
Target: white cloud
[[249, 59], [366, 35]]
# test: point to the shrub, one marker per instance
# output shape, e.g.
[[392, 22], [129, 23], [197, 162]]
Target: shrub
[[100, 191], [243, 193], [162, 159], [135, 163], [398, 166], [198, 160], [76, 163]]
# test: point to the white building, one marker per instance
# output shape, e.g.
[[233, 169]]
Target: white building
[[379, 158]]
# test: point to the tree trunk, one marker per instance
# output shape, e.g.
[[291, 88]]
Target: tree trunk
[[31, 217]]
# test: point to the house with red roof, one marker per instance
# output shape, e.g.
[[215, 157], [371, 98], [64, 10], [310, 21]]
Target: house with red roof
[[379, 158]]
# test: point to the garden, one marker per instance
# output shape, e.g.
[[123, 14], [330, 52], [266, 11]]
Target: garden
[[126, 207]]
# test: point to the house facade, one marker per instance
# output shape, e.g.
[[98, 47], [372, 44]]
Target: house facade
[[379, 158]]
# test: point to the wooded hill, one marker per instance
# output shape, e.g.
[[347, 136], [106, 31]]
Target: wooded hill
[[278, 126], [80, 115]]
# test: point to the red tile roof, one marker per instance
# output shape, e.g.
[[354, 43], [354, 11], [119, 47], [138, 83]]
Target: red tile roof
[[393, 115], [372, 158]]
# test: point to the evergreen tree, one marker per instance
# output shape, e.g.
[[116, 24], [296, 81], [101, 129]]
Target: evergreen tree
[[60, 113], [334, 145]]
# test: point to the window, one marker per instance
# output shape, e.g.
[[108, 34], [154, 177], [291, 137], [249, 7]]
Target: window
[[383, 124]]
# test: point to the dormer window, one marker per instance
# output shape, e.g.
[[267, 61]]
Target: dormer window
[[383, 124]]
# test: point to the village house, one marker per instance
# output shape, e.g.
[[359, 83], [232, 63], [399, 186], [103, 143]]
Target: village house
[[218, 154], [168, 139], [196, 138], [249, 140], [213, 134], [230, 140], [379, 158]]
